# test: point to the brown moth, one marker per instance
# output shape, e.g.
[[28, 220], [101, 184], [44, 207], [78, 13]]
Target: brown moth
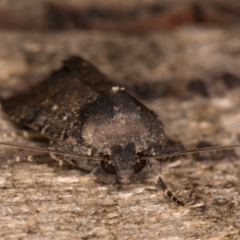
[[87, 118]]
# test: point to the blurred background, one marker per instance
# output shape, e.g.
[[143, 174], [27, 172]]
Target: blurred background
[[131, 17]]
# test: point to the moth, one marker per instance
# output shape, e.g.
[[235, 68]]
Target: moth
[[86, 118]]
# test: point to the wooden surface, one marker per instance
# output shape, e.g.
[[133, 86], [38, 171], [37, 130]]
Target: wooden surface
[[52, 202]]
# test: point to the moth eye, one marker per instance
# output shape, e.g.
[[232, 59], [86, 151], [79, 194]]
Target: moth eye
[[139, 166], [108, 168]]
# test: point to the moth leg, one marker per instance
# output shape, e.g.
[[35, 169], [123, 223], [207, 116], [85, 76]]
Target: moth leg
[[43, 158], [28, 134], [167, 192], [61, 159]]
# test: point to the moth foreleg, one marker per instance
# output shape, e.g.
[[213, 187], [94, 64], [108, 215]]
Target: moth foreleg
[[168, 193], [61, 159], [43, 158], [28, 134]]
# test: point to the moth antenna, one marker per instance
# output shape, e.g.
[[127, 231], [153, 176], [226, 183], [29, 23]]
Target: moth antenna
[[168, 193], [190, 151], [38, 149]]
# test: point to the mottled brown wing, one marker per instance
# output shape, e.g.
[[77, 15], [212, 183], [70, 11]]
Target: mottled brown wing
[[54, 106]]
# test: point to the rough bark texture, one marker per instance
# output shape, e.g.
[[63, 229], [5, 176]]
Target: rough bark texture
[[51, 202]]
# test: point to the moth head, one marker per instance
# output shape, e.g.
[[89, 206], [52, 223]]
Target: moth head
[[123, 163]]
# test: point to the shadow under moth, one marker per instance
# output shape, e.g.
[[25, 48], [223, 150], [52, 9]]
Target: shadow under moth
[[88, 119]]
